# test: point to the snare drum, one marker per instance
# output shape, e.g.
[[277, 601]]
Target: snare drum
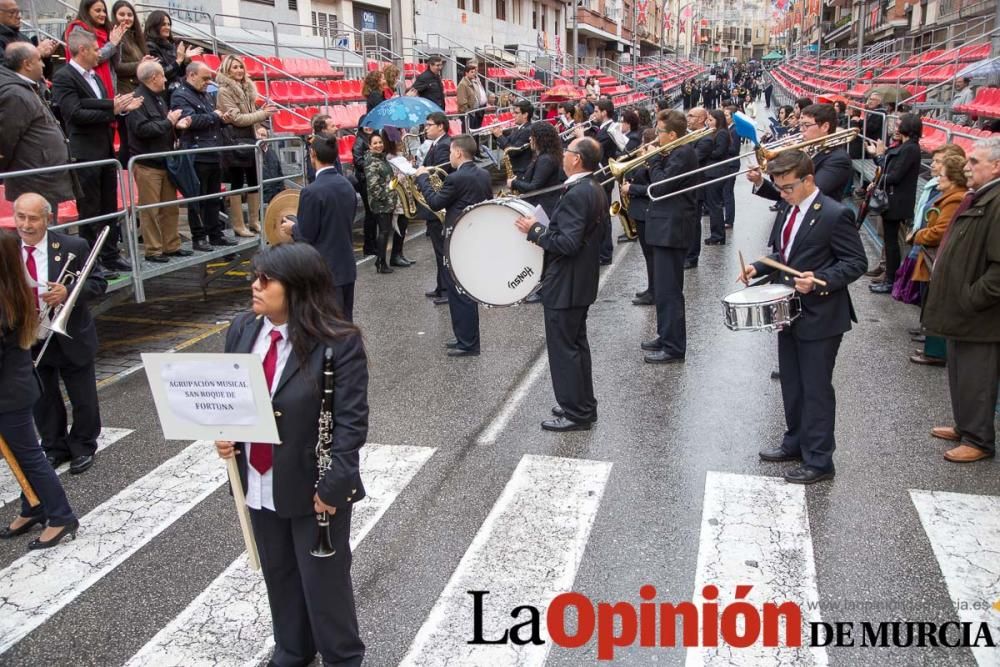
[[489, 259], [761, 308]]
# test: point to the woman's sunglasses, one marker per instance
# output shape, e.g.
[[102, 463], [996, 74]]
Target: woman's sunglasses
[[262, 278]]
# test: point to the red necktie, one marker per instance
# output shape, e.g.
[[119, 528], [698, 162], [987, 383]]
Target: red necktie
[[786, 233], [32, 270], [261, 453]]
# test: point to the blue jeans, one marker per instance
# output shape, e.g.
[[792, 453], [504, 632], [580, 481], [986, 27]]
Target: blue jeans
[[18, 429]]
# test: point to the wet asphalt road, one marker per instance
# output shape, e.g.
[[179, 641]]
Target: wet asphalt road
[[661, 428]]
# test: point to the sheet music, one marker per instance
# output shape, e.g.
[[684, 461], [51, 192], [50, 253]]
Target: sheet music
[[403, 165], [540, 216]]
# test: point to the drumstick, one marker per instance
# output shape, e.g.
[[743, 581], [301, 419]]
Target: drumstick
[[787, 269], [743, 268]]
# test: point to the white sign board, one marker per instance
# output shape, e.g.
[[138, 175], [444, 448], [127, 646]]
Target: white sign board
[[211, 397]]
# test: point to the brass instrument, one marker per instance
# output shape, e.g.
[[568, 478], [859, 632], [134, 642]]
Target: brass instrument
[[569, 132], [323, 548], [505, 162], [65, 279], [409, 194], [63, 311]]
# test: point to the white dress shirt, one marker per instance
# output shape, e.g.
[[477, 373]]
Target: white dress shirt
[[260, 488], [41, 265], [89, 77], [803, 209], [577, 177]]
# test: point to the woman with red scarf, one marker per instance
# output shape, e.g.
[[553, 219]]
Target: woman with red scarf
[[93, 18]]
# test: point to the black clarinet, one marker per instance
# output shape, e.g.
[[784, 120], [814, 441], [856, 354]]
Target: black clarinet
[[324, 545]]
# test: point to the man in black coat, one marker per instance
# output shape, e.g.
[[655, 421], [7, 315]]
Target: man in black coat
[[325, 215], [204, 131], [438, 155], [696, 120], [768, 90], [429, 84], [10, 31], [604, 116], [514, 141], [669, 226], [465, 186], [88, 112], [71, 357], [569, 285], [818, 237]]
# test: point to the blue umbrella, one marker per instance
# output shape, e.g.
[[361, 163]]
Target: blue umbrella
[[405, 111], [745, 127]]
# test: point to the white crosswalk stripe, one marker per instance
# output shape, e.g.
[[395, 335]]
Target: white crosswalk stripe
[[37, 585], [230, 622], [755, 531], [964, 531], [526, 552], [10, 491]]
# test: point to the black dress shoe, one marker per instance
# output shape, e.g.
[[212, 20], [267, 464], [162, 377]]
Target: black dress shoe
[[778, 454], [433, 294], [441, 300], [807, 475], [409, 262], [661, 357], [451, 344], [645, 291], [690, 264], [81, 464], [605, 262], [116, 264], [644, 300], [559, 412], [67, 530], [880, 288], [459, 352], [775, 375], [651, 345], [561, 424], [202, 246], [183, 252], [159, 259], [222, 242], [397, 261], [9, 532], [711, 241], [56, 459]]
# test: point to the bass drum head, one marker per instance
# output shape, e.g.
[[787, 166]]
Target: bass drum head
[[490, 260]]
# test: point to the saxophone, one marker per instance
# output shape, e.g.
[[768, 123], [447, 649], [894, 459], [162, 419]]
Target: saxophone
[[323, 548], [505, 162]]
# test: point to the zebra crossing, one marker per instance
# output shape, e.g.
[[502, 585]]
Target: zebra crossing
[[754, 532]]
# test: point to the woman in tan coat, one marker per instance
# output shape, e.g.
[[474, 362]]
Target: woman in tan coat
[[238, 97], [953, 185]]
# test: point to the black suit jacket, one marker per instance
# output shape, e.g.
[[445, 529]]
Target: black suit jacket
[[638, 207], [80, 347], [518, 136], [832, 169], [543, 172], [149, 131], [572, 248], [720, 151], [609, 149], [86, 117], [438, 153], [827, 244], [326, 213], [464, 187], [20, 387], [902, 169], [297, 401], [670, 223]]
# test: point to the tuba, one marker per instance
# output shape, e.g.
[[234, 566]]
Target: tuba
[[410, 197]]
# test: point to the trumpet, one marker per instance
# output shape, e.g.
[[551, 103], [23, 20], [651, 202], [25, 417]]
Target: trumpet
[[569, 132], [763, 153]]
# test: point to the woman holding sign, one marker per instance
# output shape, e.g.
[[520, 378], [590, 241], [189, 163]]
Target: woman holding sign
[[20, 389], [306, 346]]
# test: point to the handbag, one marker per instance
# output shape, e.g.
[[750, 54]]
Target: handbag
[[242, 159], [181, 171], [879, 201]]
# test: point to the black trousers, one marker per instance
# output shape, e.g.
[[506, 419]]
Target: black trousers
[[569, 362], [973, 373], [18, 430], [344, 294], [50, 411], [100, 197], [436, 233], [729, 201], [647, 253], [668, 295], [715, 200], [311, 599], [370, 224], [806, 368], [203, 216], [607, 243], [464, 316], [400, 238], [890, 231], [694, 248]]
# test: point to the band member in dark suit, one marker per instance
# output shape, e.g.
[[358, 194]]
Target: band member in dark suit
[[696, 120], [604, 116], [19, 389], [832, 166], [517, 137], [638, 210], [437, 155], [88, 112], [325, 215], [669, 225], [715, 192], [819, 238], [545, 170], [569, 285], [297, 321], [465, 186], [69, 357]]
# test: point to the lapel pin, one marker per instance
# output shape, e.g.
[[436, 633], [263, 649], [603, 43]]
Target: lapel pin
[[57, 258], [816, 206], [55, 245]]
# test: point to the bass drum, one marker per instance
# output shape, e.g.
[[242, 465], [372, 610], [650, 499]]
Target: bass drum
[[489, 259]]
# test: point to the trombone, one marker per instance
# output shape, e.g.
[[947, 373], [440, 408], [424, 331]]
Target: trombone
[[763, 153]]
